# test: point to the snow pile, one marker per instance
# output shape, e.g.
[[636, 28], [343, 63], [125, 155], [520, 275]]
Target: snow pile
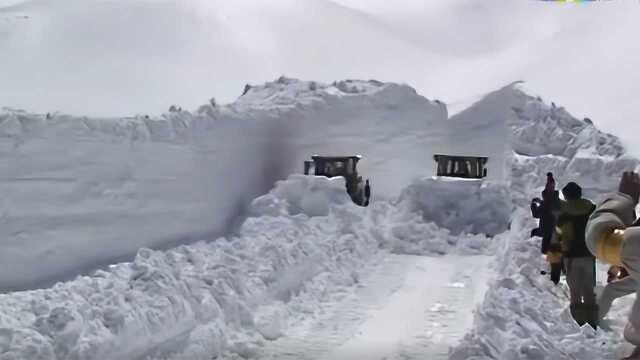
[[300, 194], [462, 206], [303, 239], [399, 226], [540, 137], [524, 316], [184, 176], [548, 137]]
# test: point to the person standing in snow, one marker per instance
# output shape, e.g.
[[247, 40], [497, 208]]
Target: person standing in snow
[[578, 261], [547, 210], [367, 193], [613, 237]]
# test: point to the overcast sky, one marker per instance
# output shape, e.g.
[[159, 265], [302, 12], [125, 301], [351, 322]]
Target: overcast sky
[[123, 56]]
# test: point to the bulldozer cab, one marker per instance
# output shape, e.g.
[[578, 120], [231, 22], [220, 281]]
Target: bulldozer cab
[[466, 167], [344, 166]]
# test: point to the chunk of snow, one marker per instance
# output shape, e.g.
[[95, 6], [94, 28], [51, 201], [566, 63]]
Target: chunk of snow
[[473, 207]]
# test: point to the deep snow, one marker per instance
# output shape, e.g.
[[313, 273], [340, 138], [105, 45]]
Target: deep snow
[[183, 176], [142, 56], [303, 243], [228, 296], [524, 316]]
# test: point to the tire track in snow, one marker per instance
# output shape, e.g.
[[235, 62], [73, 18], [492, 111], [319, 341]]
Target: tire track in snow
[[407, 307]]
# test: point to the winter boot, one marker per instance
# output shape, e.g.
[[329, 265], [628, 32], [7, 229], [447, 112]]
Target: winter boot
[[592, 316], [578, 313], [556, 271]]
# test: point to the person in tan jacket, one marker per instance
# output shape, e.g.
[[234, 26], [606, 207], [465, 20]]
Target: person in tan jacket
[[613, 237]]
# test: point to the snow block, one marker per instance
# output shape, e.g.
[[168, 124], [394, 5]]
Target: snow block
[[460, 205], [302, 194]]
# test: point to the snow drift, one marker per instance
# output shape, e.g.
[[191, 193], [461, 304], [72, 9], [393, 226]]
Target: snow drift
[[462, 206], [303, 239]]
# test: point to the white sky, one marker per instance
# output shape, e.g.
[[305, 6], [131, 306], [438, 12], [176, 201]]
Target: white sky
[[118, 57]]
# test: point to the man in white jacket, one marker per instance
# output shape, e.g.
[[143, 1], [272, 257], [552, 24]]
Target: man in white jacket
[[613, 238]]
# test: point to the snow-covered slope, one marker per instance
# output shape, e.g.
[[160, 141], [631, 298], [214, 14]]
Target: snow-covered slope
[[142, 56]]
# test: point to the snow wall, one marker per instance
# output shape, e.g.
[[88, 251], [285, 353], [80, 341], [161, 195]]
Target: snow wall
[[79, 192]]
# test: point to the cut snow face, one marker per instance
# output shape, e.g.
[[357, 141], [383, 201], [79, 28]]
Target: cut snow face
[[300, 194], [83, 192]]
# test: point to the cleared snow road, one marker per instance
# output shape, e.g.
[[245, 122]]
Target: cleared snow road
[[407, 307]]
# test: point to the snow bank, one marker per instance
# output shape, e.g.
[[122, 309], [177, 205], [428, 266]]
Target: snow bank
[[524, 316], [302, 240], [462, 206], [300, 194], [80, 192], [548, 137]]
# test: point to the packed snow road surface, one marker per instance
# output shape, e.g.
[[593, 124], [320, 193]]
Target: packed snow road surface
[[408, 307]]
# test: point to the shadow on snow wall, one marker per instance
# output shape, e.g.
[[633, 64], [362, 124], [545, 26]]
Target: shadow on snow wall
[[71, 206]]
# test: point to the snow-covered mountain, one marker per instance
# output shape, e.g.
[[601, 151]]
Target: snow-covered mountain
[[83, 191], [126, 57]]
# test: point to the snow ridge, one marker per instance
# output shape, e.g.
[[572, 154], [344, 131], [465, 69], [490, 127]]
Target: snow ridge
[[179, 125]]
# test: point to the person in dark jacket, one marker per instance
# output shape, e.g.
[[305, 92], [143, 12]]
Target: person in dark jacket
[[578, 260], [546, 209]]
